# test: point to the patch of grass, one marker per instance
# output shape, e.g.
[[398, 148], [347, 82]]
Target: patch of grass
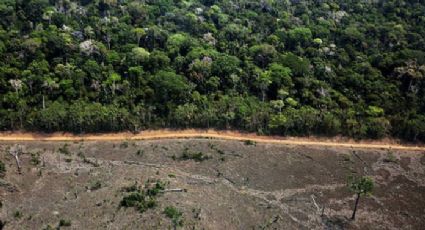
[[347, 158], [196, 213], [64, 223], [65, 149], [171, 176], [48, 227], [2, 169], [213, 147], [140, 152], [35, 159], [81, 155], [198, 157], [131, 188], [219, 151], [175, 215], [95, 185], [124, 145], [18, 214], [390, 157], [143, 199], [68, 160], [250, 142], [187, 155]]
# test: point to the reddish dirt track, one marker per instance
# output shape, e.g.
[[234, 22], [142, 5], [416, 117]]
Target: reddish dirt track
[[194, 133]]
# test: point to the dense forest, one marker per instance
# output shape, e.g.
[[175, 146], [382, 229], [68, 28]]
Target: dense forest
[[288, 67]]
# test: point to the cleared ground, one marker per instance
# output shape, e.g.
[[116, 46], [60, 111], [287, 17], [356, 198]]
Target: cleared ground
[[238, 185]]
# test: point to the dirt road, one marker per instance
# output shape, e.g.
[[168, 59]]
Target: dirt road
[[194, 133]]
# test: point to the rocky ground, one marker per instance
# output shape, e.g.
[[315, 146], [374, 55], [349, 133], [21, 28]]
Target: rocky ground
[[213, 184]]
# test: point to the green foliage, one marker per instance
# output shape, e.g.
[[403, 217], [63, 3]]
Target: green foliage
[[263, 54], [300, 35], [390, 157], [175, 215], [250, 142], [64, 223], [140, 55], [142, 199], [361, 185], [35, 159], [96, 185], [198, 157], [374, 111], [17, 214], [140, 152], [106, 66]]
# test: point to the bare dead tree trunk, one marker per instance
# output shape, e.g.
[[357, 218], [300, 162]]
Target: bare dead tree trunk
[[15, 151]]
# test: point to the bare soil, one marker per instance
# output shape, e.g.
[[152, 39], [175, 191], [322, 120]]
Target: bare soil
[[216, 134], [242, 185]]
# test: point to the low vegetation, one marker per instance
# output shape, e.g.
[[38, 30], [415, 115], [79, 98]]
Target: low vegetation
[[2, 169], [195, 156], [250, 142], [140, 152], [124, 145], [175, 215], [64, 223], [390, 157], [64, 149], [95, 185], [144, 198], [18, 214], [35, 158]]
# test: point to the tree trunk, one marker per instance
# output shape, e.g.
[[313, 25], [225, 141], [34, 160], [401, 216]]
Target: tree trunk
[[15, 151], [44, 105], [355, 207], [18, 164]]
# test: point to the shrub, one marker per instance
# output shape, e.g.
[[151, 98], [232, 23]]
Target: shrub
[[390, 158], [35, 159], [142, 199], [140, 152], [175, 215], [250, 142], [187, 155], [64, 223], [17, 214], [199, 157]]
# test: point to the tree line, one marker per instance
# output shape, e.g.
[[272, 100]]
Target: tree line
[[273, 67]]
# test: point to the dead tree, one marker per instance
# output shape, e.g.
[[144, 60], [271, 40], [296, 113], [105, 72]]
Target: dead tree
[[15, 151]]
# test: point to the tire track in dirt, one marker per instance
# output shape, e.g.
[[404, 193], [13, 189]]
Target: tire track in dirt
[[213, 134]]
